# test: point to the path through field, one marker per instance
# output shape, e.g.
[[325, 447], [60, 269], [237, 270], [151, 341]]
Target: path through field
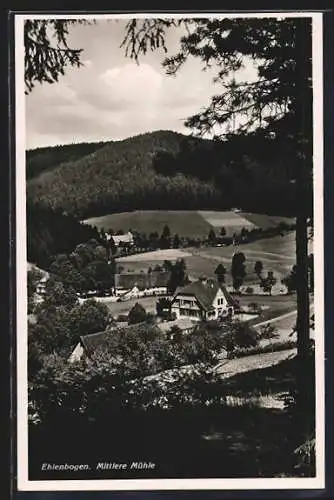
[[231, 367]]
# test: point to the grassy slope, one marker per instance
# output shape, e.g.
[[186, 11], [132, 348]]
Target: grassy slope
[[263, 221], [205, 260], [185, 223]]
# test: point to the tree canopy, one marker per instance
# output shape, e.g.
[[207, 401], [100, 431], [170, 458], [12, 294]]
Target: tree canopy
[[47, 53], [268, 103]]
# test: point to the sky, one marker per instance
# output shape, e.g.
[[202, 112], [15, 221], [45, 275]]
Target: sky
[[112, 97]]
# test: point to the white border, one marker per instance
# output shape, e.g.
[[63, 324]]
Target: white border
[[21, 265]]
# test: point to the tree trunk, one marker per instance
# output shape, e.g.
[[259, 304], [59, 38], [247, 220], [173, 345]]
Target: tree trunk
[[303, 180]]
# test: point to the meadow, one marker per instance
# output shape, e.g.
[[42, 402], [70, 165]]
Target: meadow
[[185, 223], [277, 254]]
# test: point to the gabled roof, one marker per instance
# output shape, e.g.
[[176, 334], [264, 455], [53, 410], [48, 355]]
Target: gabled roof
[[141, 280], [122, 238], [94, 341], [228, 296], [205, 292]]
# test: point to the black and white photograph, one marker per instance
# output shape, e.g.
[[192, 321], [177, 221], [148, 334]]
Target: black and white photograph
[[169, 251]]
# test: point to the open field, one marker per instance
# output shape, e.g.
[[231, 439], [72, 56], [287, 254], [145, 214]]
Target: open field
[[281, 302], [186, 223], [277, 254], [156, 256], [266, 221], [230, 220]]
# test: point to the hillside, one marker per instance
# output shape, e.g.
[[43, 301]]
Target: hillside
[[160, 170], [186, 223], [50, 232], [43, 159]]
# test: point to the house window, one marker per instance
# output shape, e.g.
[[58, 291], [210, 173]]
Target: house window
[[189, 313]]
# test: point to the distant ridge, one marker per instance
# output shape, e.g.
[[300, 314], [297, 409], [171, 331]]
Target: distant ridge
[[45, 158], [156, 170]]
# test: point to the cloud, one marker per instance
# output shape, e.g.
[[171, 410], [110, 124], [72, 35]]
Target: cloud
[[113, 102], [139, 85], [87, 63]]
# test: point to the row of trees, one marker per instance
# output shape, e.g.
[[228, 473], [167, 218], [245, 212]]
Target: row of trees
[[238, 272], [247, 235], [155, 241], [166, 240]]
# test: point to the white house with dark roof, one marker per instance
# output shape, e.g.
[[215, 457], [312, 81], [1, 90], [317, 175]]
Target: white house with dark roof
[[120, 239], [204, 299], [130, 285]]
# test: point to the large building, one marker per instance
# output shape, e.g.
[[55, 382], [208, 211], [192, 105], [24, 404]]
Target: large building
[[204, 299], [140, 284]]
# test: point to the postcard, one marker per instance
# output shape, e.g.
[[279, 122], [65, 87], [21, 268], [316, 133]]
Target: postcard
[[169, 251]]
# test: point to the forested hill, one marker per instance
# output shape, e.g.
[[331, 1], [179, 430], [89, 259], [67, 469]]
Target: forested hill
[[50, 232], [162, 170], [42, 159]]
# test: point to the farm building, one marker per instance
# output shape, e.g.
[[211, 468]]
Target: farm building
[[91, 343], [130, 285], [94, 342], [121, 239], [203, 299]]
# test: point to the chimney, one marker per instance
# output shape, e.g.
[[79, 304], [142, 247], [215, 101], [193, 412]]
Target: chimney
[[210, 282]]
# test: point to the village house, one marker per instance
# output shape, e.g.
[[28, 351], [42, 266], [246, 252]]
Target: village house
[[94, 342], [87, 345], [133, 285], [121, 239], [204, 299]]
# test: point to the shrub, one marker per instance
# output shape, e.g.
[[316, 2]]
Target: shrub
[[249, 290], [137, 314], [240, 335], [268, 332], [305, 455], [248, 351]]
